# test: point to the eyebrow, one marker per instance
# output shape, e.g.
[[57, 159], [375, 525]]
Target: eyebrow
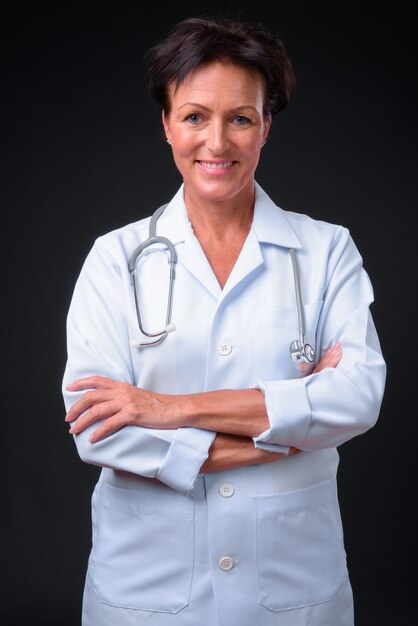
[[202, 106]]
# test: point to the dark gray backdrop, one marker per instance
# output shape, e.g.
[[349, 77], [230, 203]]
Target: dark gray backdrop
[[83, 152]]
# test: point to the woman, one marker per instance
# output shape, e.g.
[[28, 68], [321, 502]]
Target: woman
[[217, 502]]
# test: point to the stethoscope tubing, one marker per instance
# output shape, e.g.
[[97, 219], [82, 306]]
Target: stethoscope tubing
[[301, 353], [299, 306], [153, 238]]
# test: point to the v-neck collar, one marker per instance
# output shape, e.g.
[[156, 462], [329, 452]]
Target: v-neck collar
[[269, 225]]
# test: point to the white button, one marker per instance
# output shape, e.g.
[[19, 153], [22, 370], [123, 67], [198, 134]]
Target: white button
[[224, 348], [226, 490], [226, 563]]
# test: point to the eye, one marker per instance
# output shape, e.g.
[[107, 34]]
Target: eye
[[193, 118], [241, 120]]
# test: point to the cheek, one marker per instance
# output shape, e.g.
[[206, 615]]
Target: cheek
[[251, 150], [183, 144], [249, 144]]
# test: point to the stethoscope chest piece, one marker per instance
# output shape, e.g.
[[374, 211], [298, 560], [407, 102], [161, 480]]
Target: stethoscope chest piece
[[302, 355]]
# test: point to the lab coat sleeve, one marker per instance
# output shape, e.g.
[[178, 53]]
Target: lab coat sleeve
[[326, 409], [98, 344]]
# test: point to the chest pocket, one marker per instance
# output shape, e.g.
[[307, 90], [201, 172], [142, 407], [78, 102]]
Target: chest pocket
[[143, 549], [273, 329]]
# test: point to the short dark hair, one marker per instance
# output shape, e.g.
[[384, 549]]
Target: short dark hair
[[197, 40]]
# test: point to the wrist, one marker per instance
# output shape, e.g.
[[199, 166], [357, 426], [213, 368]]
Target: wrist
[[177, 410], [185, 410]]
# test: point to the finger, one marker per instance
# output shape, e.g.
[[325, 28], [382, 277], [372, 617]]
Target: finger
[[334, 355], [87, 400], [108, 427], [331, 358], [90, 382], [102, 411]]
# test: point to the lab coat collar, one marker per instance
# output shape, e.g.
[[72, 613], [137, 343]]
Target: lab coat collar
[[269, 223], [269, 226], [174, 223]]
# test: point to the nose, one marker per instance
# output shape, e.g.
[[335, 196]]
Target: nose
[[217, 140]]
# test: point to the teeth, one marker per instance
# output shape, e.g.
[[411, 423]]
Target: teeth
[[216, 166]]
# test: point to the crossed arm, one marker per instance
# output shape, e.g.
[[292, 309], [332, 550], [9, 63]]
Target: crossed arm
[[235, 415]]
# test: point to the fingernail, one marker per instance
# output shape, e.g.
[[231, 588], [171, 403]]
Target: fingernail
[[72, 430]]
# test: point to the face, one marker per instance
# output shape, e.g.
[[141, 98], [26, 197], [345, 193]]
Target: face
[[216, 127]]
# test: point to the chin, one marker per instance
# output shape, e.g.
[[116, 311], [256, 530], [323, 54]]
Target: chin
[[216, 191]]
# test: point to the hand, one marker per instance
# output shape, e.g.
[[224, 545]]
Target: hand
[[117, 404], [331, 358]]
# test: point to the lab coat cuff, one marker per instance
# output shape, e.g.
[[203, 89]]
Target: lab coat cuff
[[187, 453], [288, 410], [270, 447]]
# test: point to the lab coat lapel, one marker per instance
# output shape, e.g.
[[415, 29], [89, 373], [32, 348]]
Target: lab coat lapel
[[194, 260], [249, 260], [175, 225], [270, 226], [270, 222]]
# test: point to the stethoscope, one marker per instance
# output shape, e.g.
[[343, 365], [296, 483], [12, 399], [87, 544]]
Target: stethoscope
[[302, 354]]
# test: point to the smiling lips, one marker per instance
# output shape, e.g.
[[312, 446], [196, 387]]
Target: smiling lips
[[216, 167]]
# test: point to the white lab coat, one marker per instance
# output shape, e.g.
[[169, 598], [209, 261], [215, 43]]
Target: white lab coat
[[261, 544]]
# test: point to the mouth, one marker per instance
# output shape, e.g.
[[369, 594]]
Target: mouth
[[216, 166]]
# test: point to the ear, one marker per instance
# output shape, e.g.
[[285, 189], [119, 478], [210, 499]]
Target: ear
[[267, 129], [165, 124]]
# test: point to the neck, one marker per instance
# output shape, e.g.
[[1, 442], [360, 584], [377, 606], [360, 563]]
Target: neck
[[217, 220]]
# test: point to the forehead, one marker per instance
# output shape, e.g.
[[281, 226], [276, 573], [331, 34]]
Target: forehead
[[214, 80]]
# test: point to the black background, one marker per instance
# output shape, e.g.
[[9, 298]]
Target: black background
[[83, 152]]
